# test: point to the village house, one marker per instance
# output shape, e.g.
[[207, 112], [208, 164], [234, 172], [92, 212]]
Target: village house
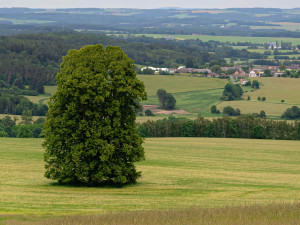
[[240, 73], [253, 74], [243, 81]]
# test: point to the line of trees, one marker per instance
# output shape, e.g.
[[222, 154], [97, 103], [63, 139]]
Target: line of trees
[[244, 126], [26, 129], [11, 102]]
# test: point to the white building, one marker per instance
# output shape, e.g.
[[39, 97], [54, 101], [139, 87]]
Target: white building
[[253, 74]]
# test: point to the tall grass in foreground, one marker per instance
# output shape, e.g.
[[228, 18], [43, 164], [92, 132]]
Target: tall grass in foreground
[[272, 214]]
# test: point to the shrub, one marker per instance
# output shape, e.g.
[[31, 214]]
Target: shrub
[[258, 98], [148, 112], [213, 109], [262, 114], [3, 134], [263, 98], [255, 84], [282, 100]]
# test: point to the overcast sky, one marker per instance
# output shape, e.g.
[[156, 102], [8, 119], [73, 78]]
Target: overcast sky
[[149, 3]]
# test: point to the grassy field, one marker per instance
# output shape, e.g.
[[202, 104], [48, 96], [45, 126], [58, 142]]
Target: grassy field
[[192, 94], [282, 25], [197, 95], [273, 214], [235, 39], [275, 90], [178, 173], [43, 99]]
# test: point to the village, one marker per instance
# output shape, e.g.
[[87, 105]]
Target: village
[[241, 72]]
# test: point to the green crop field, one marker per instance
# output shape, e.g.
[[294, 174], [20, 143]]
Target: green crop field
[[274, 89], [235, 39], [193, 94], [177, 173]]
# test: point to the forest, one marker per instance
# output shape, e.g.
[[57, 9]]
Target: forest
[[244, 126], [34, 59]]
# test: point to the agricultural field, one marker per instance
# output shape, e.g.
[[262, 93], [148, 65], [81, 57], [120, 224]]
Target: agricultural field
[[196, 95], [281, 25], [232, 39], [193, 94], [178, 173], [275, 90]]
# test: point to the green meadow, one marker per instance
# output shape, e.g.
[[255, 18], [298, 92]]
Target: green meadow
[[274, 89], [193, 94], [178, 173], [197, 94]]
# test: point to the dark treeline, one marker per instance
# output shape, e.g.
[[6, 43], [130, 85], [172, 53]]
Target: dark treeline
[[9, 128], [245, 126], [34, 59], [12, 102]]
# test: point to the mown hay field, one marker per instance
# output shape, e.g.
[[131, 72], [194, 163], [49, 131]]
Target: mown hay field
[[178, 173], [274, 89]]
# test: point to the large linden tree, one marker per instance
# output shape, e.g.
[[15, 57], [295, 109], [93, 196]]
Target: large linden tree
[[90, 136]]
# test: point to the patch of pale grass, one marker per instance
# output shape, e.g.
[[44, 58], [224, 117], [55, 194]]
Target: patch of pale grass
[[271, 214]]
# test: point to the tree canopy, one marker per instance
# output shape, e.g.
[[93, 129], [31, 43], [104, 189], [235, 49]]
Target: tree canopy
[[90, 135]]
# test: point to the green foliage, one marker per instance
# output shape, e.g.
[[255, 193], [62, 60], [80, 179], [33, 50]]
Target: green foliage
[[248, 83], [255, 84], [90, 135], [267, 73], [216, 69], [248, 98], [258, 98], [282, 67], [161, 93], [292, 113], [213, 109], [3, 134], [263, 99], [228, 110], [24, 132], [169, 101], [282, 100], [262, 114], [12, 102], [244, 126], [148, 71], [232, 92], [27, 117], [258, 132], [148, 112]]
